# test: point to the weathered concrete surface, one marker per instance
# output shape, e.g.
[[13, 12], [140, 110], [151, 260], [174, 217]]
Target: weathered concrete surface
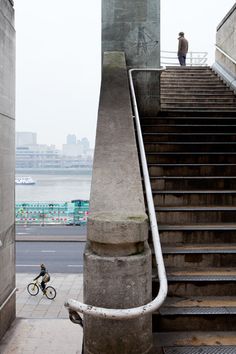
[[134, 27], [7, 163], [117, 282], [116, 193], [117, 260], [225, 39]]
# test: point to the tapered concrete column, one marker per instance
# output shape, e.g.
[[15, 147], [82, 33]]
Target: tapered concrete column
[[7, 165], [134, 27], [117, 260]]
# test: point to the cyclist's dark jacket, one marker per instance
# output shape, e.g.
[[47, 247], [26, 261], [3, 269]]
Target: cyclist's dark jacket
[[42, 273]]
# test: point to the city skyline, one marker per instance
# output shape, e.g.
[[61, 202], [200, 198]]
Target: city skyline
[[32, 139]]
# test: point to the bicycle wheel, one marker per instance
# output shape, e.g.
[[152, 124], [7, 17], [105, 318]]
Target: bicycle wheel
[[33, 289], [50, 292]]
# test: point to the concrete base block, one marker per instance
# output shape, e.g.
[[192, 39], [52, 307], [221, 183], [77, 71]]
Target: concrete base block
[[117, 282]]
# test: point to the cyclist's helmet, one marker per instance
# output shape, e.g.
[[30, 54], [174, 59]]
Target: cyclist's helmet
[[43, 266]]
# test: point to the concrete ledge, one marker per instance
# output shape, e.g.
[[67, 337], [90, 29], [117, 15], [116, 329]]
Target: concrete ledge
[[114, 228], [227, 77]]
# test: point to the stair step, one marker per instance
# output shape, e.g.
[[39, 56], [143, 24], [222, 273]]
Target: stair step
[[219, 274], [211, 94], [200, 350], [195, 197], [199, 249], [187, 120], [175, 84], [209, 109], [175, 97], [196, 313], [210, 340], [197, 233], [190, 79], [192, 137], [193, 182], [191, 169], [199, 255], [198, 88], [173, 215], [195, 113], [188, 128], [199, 305], [183, 146], [198, 227], [221, 192], [191, 157]]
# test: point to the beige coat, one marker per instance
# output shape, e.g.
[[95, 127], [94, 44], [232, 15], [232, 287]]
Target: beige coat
[[183, 46]]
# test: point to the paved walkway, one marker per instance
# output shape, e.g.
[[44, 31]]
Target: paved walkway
[[43, 325]]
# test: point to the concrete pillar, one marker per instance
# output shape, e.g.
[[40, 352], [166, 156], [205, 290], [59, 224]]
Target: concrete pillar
[[7, 164], [117, 260], [134, 27]]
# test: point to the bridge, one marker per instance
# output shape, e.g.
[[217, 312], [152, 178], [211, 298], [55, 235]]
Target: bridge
[[159, 262]]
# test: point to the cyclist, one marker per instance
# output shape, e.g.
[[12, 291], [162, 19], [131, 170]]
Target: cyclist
[[45, 277]]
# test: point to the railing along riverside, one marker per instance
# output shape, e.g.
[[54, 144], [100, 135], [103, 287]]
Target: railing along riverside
[[75, 306], [225, 54], [169, 58]]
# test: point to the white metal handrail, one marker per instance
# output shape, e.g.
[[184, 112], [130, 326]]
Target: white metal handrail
[[225, 54], [8, 298], [118, 314], [193, 58]]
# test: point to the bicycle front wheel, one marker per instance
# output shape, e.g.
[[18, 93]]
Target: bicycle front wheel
[[50, 292], [33, 289]]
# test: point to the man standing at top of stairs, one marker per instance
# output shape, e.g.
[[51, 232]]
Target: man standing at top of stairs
[[182, 49]]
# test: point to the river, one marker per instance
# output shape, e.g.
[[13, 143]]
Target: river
[[54, 188]]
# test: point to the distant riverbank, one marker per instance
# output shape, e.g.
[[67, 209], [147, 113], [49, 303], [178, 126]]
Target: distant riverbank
[[54, 171]]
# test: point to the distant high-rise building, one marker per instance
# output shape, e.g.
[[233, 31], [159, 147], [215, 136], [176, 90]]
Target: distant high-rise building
[[85, 143], [71, 139], [26, 139]]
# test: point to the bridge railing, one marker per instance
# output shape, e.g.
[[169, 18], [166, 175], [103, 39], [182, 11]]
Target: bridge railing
[[55, 213], [169, 58]]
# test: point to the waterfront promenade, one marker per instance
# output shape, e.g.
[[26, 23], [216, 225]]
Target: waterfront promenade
[[43, 325]]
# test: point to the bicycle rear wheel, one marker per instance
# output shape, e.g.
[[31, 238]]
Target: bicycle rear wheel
[[33, 289], [50, 292]]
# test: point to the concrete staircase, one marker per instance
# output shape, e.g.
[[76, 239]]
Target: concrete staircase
[[191, 152]]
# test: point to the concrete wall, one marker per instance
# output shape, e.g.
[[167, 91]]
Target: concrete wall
[[226, 40], [117, 260], [134, 27], [7, 163]]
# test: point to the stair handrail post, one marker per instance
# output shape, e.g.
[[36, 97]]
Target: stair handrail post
[[191, 59]]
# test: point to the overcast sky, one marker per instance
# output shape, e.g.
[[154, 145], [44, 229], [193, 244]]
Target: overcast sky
[[58, 59]]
